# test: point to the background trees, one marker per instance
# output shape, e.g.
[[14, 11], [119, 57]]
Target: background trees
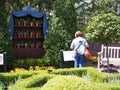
[[104, 29], [86, 9], [5, 42]]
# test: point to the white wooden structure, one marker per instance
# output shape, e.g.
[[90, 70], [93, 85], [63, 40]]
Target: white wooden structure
[[1, 59], [113, 54]]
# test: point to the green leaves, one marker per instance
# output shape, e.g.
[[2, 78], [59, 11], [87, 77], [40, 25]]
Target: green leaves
[[62, 26], [104, 28]]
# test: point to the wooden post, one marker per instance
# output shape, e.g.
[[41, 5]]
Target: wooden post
[[61, 58], [5, 62]]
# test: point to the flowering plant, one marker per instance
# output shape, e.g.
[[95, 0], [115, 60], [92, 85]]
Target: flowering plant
[[93, 58]]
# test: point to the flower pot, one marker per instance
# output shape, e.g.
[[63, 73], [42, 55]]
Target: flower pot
[[32, 24], [25, 24], [37, 24], [25, 35], [31, 35], [26, 46], [37, 35], [18, 23], [18, 45], [37, 46], [19, 35]]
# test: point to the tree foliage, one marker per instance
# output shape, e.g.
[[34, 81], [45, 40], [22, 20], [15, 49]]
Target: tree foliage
[[86, 9], [62, 25], [104, 28], [5, 42], [17, 5]]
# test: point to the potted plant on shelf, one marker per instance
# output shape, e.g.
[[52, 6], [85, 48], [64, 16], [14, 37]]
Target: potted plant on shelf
[[29, 44], [22, 45], [32, 45], [25, 34], [26, 45], [37, 34], [18, 45], [22, 34], [19, 35], [31, 34], [41, 23], [28, 22], [18, 23], [32, 22], [21, 22], [37, 23], [38, 45], [25, 23]]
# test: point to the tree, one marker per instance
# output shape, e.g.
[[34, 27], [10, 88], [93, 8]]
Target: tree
[[55, 41], [5, 42], [104, 29], [86, 9], [39, 5], [62, 27]]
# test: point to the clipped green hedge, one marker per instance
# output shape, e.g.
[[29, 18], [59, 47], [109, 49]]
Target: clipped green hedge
[[69, 82], [8, 78], [87, 78], [32, 82], [92, 72]]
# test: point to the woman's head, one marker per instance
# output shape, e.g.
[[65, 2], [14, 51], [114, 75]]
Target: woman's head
[[78, 34]]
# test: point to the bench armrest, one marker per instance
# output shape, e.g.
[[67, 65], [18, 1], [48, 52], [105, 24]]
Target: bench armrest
[[99, 58], [100, 53]]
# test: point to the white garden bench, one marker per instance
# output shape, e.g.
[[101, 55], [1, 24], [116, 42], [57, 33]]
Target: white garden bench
[[113, 54]]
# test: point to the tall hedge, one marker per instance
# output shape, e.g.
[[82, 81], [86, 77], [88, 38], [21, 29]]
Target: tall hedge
[[62, 26], [5, 42]]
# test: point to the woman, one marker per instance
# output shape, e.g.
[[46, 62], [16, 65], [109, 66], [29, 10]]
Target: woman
[[78, 45]]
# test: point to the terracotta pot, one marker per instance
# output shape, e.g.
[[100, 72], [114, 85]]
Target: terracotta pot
[[31, 35], [25, 24], [19, 35], [18, 46], [26, 46], [37, 24], [37, 35], [18, 23], [31, 24], [37, 46], [25, 35]]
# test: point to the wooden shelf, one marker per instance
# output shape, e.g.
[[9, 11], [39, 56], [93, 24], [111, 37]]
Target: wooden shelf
[[28, 38], [28, 26], [22, 53], [27, 35]]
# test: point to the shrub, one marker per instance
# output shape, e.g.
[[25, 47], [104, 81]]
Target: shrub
[[26, 63]]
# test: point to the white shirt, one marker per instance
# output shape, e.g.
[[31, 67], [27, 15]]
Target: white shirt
[[79, 41]]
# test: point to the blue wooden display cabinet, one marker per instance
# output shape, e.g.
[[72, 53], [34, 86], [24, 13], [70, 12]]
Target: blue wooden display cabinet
[[28, 29]]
